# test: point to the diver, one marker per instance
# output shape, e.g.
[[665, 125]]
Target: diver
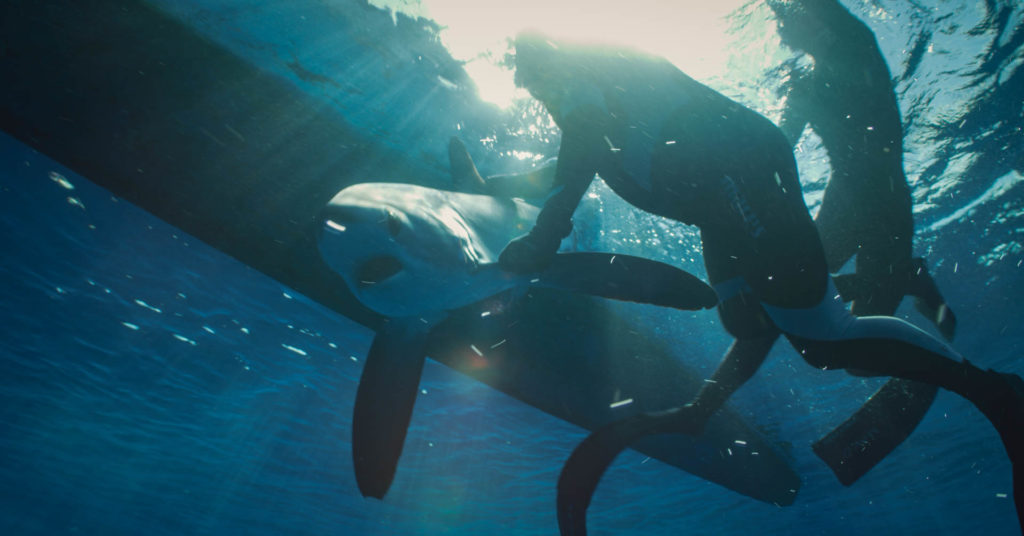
[[846, 96], [676, 148]]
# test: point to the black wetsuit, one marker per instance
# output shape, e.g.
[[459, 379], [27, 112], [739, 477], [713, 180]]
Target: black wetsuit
[[847, 98], [674, 147]]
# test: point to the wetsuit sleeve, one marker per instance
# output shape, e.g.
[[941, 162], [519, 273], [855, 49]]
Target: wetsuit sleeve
[[582, 148]]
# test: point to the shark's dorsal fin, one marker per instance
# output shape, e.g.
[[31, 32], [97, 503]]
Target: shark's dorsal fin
[[465, 176], [628, 278], [384, 401]]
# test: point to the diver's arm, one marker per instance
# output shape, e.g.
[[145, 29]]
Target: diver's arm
[[581, 148], [793, 118]]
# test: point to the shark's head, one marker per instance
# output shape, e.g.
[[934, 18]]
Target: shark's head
[[406, 250]]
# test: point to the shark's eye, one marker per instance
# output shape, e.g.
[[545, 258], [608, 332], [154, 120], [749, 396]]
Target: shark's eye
[[394, 224]]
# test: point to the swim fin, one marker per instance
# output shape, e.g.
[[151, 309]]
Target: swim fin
[[628, 278], [592, 457], [876, 429]]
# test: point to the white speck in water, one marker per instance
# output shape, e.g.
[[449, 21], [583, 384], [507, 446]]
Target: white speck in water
[[423, 391], [647, 459], [286, 295], [208, 329], [474, 348], [130, 326], [332, 345], [497, 344], [353, 358], [621, 403], [61, 290], [61, 180], [485, 314], [182, 338], [75, 202], [729, 451], [141, 303], [956, 266], [182, 296], [740, 442], [291, 348], [1001, 495], [244, 330]]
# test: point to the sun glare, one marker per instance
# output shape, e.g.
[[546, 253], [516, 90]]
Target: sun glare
[[692, 34]]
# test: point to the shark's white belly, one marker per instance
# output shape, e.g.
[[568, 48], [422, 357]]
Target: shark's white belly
[[437, 249]]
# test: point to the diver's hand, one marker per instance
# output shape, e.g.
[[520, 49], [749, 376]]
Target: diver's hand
[[529, 253]]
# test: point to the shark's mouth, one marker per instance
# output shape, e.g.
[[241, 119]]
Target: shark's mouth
[[377, 270]]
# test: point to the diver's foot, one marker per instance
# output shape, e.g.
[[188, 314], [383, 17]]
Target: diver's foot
[[929, 301]]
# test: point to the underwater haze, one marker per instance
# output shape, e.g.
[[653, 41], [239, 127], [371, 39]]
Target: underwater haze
[[152, 384]]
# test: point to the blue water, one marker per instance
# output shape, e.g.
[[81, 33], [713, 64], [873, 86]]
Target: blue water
[[152, 385]]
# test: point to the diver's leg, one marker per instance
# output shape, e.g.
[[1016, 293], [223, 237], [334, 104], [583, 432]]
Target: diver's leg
[[928, 300], [837, 227]]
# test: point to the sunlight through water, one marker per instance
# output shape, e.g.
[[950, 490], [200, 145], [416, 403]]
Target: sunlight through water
[[693, 34]]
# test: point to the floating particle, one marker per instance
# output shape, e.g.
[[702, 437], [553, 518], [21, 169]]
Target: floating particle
[[141, 303], [291, 348], [183, 338], [209, 330], [130, 326], [621, 403], [61, 180]]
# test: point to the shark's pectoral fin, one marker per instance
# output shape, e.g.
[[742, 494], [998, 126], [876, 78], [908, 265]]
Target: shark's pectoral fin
[[628, 278], [384, 402]]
